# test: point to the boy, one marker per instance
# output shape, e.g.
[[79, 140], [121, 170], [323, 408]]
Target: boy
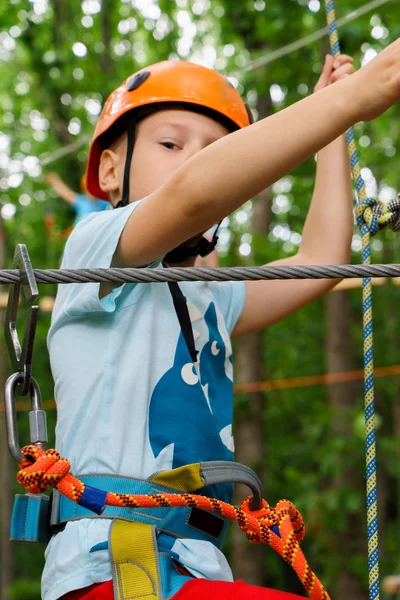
[[138, 389]]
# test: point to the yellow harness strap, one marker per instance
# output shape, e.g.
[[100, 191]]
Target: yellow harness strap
[[134, 560], [133, 547], [184, 479]]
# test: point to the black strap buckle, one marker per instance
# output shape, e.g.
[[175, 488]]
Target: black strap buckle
[[205, 247]]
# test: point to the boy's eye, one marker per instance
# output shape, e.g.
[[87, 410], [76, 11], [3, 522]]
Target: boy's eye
[[170, 145]]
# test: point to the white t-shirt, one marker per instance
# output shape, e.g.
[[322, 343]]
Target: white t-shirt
[[130, 402]]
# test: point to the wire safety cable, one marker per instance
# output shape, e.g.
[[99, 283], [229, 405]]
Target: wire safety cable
[[158, 275], [274, 55]]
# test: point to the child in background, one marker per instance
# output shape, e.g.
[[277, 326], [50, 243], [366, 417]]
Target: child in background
[[139, 391], [82, 203]]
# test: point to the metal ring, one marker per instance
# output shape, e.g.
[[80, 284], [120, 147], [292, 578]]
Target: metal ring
[[11, 414]]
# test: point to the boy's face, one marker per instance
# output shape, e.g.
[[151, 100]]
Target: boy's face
[[163, 142]]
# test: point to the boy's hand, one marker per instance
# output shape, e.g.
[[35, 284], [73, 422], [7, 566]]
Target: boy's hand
[[334, 70], [376, 86], [373, 89]]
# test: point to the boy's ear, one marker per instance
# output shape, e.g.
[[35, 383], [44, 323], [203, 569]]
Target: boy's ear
[[109, 173]]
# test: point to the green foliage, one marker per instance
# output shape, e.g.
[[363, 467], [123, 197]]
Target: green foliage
[[25, 589], [50, 95]]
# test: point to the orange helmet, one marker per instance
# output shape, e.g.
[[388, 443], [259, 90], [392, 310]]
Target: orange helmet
[[168, 81], [83, 184]]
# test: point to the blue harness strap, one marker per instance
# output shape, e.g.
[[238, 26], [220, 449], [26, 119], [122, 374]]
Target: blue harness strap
[[30, 520], [36, 518], [182, 522]]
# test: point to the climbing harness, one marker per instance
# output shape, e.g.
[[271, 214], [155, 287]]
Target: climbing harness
[[159, 509], [281, 527]]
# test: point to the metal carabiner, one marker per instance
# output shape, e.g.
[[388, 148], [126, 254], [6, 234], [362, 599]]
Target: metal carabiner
[[37, 416], [21, 356]]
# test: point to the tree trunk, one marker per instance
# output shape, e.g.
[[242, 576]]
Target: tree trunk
[[396, 433], [343, 401], [6, 554], [247, 560]]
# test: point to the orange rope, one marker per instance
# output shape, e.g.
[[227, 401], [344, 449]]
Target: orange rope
[[42, 470], [311, 380]]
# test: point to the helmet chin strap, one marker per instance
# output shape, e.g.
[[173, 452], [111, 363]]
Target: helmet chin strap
[[177, 255], [127, 169], [202, 248]]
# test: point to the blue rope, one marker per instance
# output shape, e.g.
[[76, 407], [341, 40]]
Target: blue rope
[[368, 226]]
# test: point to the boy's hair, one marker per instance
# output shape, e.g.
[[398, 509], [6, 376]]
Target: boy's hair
[[165, 84]]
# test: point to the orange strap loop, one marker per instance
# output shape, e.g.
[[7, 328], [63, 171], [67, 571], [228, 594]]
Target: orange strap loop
[[43, 470]]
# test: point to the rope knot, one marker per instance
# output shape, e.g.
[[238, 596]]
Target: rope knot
[[265, 517], [281, 527], [41, 470], [375, 214]]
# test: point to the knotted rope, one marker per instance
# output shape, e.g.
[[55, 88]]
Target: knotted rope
[[372, 215], [375, 215], [281, 527]]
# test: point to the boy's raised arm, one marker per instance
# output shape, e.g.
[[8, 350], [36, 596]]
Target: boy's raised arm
[[326, 236], [227, 173]]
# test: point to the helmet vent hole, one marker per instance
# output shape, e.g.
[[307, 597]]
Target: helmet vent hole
[[136, 80]]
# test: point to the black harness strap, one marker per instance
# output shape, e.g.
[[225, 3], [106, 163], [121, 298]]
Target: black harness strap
[[204, 247], [182, 313]]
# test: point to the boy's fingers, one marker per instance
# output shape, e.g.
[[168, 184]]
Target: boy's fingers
[[341, 60], [327, 70], [340, 78], [328, 64], [346, 69]]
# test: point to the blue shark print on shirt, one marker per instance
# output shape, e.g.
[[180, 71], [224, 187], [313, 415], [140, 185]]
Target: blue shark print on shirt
[[218, 386], [179, 413]]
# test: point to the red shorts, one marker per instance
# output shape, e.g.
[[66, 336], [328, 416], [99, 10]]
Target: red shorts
[[196, 589]]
